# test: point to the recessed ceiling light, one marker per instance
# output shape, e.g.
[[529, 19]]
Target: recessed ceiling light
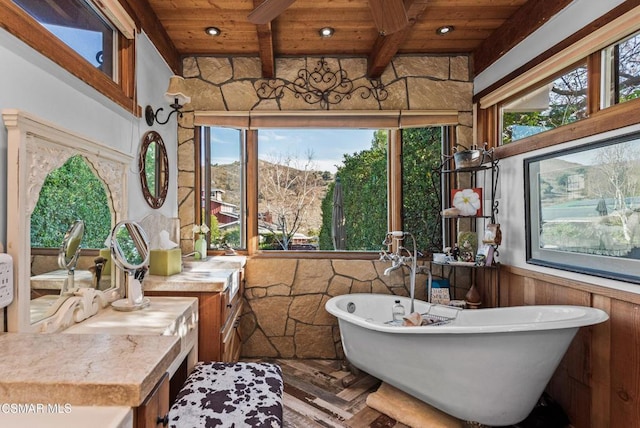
[[444, 30], [326, 32], [212, 31]]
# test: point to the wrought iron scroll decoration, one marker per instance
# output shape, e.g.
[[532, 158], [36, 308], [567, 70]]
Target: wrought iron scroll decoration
[[320, 86]]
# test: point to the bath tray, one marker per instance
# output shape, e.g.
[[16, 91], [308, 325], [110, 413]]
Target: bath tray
[[441, 314], [444, 315]]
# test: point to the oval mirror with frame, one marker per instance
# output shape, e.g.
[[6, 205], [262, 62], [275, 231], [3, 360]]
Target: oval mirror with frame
[[154, 169]]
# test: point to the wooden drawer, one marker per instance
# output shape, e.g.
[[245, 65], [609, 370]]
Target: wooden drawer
[[230, 299], [231, 342]]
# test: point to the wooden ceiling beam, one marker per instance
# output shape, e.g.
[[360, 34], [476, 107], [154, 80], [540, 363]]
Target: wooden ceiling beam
[[146, 19], [386, 47], [527, 19], [265, 47]]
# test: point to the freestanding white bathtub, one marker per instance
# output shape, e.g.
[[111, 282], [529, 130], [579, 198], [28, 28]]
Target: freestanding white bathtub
[[485, 365]]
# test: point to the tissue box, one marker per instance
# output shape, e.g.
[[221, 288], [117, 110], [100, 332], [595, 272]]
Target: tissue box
[[165, 262], [106, 253]]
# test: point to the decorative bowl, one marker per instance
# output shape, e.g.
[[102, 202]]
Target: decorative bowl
[[468, 158]]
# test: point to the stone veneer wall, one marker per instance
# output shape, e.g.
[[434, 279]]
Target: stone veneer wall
[[285, 315]]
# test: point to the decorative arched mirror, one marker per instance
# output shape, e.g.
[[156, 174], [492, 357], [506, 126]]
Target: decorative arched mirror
[[130, 252], [36, 152], [154, 169]]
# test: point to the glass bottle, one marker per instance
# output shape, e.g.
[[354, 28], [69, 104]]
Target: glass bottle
[[397, 311], [200, 247]]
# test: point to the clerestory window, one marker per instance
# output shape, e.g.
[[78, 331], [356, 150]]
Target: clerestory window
[[93, 40], [558, 101], [81, 27], [621, 71]]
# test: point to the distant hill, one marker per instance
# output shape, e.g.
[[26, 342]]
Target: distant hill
[[227, 178]]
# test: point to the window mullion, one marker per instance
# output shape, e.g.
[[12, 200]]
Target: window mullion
[[394, 167], [251, 174]]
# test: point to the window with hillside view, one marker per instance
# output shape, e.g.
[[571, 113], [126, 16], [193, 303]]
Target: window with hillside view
[[558, 102], [222, 184], [326, 189]]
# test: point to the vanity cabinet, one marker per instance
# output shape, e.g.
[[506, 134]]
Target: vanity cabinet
[[154, 411], [219, 310]]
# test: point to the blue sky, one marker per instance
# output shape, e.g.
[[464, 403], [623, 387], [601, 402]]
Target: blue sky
[[86, 43], [327, 145]]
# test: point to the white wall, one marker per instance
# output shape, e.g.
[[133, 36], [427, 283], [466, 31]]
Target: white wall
[[34, 84]]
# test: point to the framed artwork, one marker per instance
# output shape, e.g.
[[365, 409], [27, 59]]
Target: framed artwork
[[468, 202], [582, 209]]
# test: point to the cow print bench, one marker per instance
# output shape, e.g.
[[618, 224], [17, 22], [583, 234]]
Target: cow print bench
[[233, 395]]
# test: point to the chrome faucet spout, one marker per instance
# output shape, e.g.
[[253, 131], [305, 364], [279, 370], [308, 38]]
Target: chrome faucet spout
[[390, 269], [398, 259]]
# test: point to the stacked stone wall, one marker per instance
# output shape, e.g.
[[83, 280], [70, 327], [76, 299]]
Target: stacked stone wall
[[284, 314]]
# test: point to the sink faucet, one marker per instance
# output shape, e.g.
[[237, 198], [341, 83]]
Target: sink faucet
[[398, 260]]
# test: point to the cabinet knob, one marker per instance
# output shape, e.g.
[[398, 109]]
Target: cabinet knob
[[164, 420], [229, 305]]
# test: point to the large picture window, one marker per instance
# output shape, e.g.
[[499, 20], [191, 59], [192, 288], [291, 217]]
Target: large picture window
[[321, 189], [583, 209]]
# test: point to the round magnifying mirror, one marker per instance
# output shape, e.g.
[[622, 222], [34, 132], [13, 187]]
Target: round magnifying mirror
[[129, 246], [70, 247], [154, 169], [69, 253], [130, 252]]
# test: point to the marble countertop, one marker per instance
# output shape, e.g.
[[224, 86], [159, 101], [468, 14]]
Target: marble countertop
[[83, 369], [213, 274], [196, 279], [164, 316]]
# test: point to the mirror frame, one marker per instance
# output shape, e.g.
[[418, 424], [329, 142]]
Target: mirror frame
[[140, 240], [154, 197], [35, 148]]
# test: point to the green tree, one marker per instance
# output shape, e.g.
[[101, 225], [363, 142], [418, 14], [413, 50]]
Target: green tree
[[71, 192], [364, 186], [421, 202]]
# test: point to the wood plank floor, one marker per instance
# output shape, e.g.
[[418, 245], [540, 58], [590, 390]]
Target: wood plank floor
[[314, 396]]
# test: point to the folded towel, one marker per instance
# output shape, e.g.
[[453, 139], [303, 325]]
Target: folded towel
[[409, 410], [411, 320]]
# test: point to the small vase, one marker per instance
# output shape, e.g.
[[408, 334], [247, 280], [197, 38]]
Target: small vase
[[200, 247]]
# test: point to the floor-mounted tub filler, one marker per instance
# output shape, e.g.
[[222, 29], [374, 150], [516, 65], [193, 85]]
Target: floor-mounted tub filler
[[486, 365]]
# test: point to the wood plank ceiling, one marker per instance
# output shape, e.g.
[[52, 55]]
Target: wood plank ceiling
[[485, 29]]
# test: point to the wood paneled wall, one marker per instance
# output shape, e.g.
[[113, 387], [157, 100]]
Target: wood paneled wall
[[598, 381]]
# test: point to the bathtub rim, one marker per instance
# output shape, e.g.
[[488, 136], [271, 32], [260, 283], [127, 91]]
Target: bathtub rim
[[590, 316]]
